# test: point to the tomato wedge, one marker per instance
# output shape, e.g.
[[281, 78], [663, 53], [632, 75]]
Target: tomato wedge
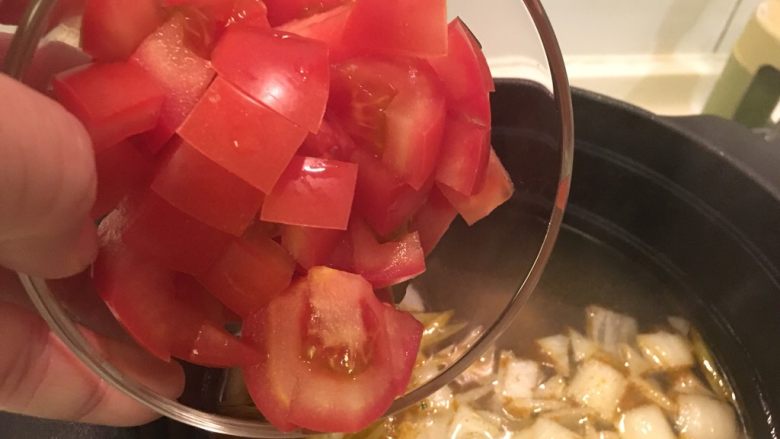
[[464, 155], [252, 271], [194, 184], [112, 29], [406, 332], [397, 107], [183, 75], [282, 11], [496, 190], [407, 27], [465, 74], [313, 192], [155, 309], [433, 220], [310, 246], [288, 73], [327, 363], [327, 27], [330, 142], [387, 263], [113, 100], [245, 137], [167, 235], [121, 169]]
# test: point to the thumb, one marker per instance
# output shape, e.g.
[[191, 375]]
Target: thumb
[[47, 185]]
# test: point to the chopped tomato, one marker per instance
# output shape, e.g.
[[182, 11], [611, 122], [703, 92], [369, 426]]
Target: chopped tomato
[[201, 188], [330, 142], [407, 27], [174, 239], [313, 192], [113, 101], [383, 199], [250, 13], [245, 137], [397, 107], [433, 219], [465, 74], [282, 11], [387, 263], [112, 29], [179, 70], [496, 190], [327, 27], [406, 332], [327, 355], [464, 155], [121, 169], [310, 246], [252, 271], [288, 73], [149, 302]]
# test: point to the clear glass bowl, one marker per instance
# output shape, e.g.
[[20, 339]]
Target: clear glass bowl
[[483, 273]]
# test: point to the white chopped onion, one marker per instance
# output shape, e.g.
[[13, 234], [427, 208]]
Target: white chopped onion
[[441, 399], [469, 424], [700, 417], [632, 360], [523, 408], [553, 388], [481, 372], [471, 395], [581, 346], [680, 325], [608, 328], [652, 392], [592, 433], [572, 418], [689, 384], [666, 351], [412, 301], [646, 422], [436, 426], [556, 349], [599, 387], [547, 429], [517, 378]]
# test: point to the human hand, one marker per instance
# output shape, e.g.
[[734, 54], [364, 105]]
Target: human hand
[[47, 187]]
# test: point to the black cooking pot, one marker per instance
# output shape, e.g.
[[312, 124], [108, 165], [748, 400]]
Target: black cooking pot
[[666, 216]]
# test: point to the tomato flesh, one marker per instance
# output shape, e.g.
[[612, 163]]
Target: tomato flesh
[[113, 100], [310, 246], [180, 72], [496, 190], [330, 142], [121, 169], [389, 263], [282, 11], [397, 107], [433, 220], [327, 363], [406, 332], [381, 198], [327, 27], [252, 271], [174, 239], [201, 188], [288, 73], [112, 29], [245, 137], [407, 27], [313, 192], [464, 156]]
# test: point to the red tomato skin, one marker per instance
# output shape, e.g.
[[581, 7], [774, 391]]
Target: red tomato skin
[[112, 29], [121, 169], [291, 390], [207, 344], [250, 273], [291, 77], [313, 192], [464, 156], [330, 142], [245, 137], [406, 332], [433, 220], [407, 27], [327, 27], [201, 188], [382, 199], [174, 239], [282, 11], [310, 246], [250, 13], [496, 190], [182, 73], [113, 101], [388, 263], [465, 74]]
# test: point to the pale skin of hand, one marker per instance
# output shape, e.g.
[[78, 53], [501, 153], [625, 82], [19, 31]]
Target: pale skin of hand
[[47, 186]]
